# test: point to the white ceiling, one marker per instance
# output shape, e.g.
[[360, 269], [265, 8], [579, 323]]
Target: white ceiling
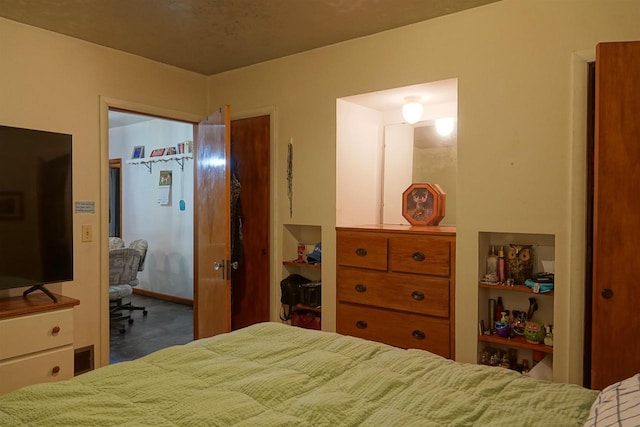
[[440, 92], [120, 118], [212, 36]]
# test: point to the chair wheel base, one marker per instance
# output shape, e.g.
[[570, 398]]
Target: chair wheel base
[[130, 321], [145, 312]]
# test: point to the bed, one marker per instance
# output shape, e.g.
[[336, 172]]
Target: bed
[[271, 374]]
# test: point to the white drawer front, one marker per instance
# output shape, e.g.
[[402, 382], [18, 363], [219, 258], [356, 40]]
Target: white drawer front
[[52, 365], [35, 332]]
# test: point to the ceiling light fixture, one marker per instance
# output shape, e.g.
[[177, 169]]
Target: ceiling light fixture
[[445, 125], [412, 109]]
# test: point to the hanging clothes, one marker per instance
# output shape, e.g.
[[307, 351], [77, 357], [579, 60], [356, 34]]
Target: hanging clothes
[[236, 215]]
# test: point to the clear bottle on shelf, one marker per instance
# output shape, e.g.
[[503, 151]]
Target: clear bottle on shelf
[[492, 262]]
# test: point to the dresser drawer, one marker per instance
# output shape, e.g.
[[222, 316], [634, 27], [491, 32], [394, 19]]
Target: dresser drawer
[[35, 332], [420, 255], [362, 250], [51, 365], [396, 328], [419, 294]]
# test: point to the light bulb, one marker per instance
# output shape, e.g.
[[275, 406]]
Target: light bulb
[[412, 110], [444, 126]]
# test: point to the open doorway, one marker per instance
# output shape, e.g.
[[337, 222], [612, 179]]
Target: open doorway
[[137, 140], [150, 199]]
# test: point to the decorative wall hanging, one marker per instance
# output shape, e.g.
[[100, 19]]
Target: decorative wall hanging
[[290, 176], [164, 188], [11, 205], [423, 204]]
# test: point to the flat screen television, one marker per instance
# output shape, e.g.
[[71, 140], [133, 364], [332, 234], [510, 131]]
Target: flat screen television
[[36, 209]]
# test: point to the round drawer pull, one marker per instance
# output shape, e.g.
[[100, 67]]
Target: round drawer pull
[[419, 335], [361, 288], [417, 295], [418, 256], [55, 370], [361, 324], [606, 293], [55, 330], [361, 252]]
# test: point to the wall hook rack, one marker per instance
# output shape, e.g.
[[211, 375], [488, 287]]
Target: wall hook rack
[[179, 158]]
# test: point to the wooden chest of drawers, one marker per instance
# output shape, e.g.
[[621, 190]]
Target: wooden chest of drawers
[[396, 284]]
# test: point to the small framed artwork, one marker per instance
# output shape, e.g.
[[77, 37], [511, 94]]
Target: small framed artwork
[[138, 152], [157, 152], [165, 178], [423, 204], [11, 205], [171, 151]]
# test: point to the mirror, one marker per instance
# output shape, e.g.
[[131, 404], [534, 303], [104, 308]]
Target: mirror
[[432, 158]]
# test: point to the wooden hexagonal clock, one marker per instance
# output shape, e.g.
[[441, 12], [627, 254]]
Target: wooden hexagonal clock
[[423, 204]]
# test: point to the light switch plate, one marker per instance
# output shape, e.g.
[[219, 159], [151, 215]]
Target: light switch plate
[[87, 233]]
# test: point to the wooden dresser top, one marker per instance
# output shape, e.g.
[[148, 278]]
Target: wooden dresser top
[[33, 303], [423, 229]]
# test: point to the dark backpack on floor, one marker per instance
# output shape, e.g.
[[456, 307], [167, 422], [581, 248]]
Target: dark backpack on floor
[[291, 288]]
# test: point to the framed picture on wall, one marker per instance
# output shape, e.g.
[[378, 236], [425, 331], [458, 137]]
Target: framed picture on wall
[[157, 152], [138, 152], [11, 205]]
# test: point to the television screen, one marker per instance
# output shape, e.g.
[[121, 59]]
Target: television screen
[[36, 208]]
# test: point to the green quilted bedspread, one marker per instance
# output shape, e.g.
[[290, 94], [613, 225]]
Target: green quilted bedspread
[[276, 375]]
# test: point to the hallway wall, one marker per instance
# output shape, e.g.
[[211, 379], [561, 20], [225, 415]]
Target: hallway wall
[[168, 266]]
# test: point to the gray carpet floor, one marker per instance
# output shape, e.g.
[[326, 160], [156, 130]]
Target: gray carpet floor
[[166, 324]]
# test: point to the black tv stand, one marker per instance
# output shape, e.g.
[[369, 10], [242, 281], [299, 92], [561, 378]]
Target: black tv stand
[[40, 288]]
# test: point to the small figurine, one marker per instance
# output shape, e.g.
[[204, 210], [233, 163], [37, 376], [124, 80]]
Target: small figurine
[[548, 338]]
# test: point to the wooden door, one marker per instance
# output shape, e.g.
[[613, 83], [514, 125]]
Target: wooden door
[[615, 349], [250, 140], [212, 241], [115, 197]]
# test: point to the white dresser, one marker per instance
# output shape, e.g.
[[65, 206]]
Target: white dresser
[[36, 340]]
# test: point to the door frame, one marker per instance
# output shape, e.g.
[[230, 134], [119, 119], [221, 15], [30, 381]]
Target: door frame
[[574, 309], [107, 103], [117, 164], [275, 234]]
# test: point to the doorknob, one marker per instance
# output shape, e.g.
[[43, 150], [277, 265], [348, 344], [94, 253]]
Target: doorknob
[[220, 266], [606, 293]]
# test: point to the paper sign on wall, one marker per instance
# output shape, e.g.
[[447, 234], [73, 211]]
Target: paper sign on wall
[[164, 188]]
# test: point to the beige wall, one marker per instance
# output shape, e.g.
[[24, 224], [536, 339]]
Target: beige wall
[[52, 82], [518, 132]]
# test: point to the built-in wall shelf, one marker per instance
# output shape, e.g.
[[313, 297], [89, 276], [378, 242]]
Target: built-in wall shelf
[[517, 341], [148, 161], [302, 264], [293, 235], [515, 288], [521, 353]]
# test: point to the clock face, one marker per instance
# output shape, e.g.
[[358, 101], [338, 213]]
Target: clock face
[[423, 204]]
